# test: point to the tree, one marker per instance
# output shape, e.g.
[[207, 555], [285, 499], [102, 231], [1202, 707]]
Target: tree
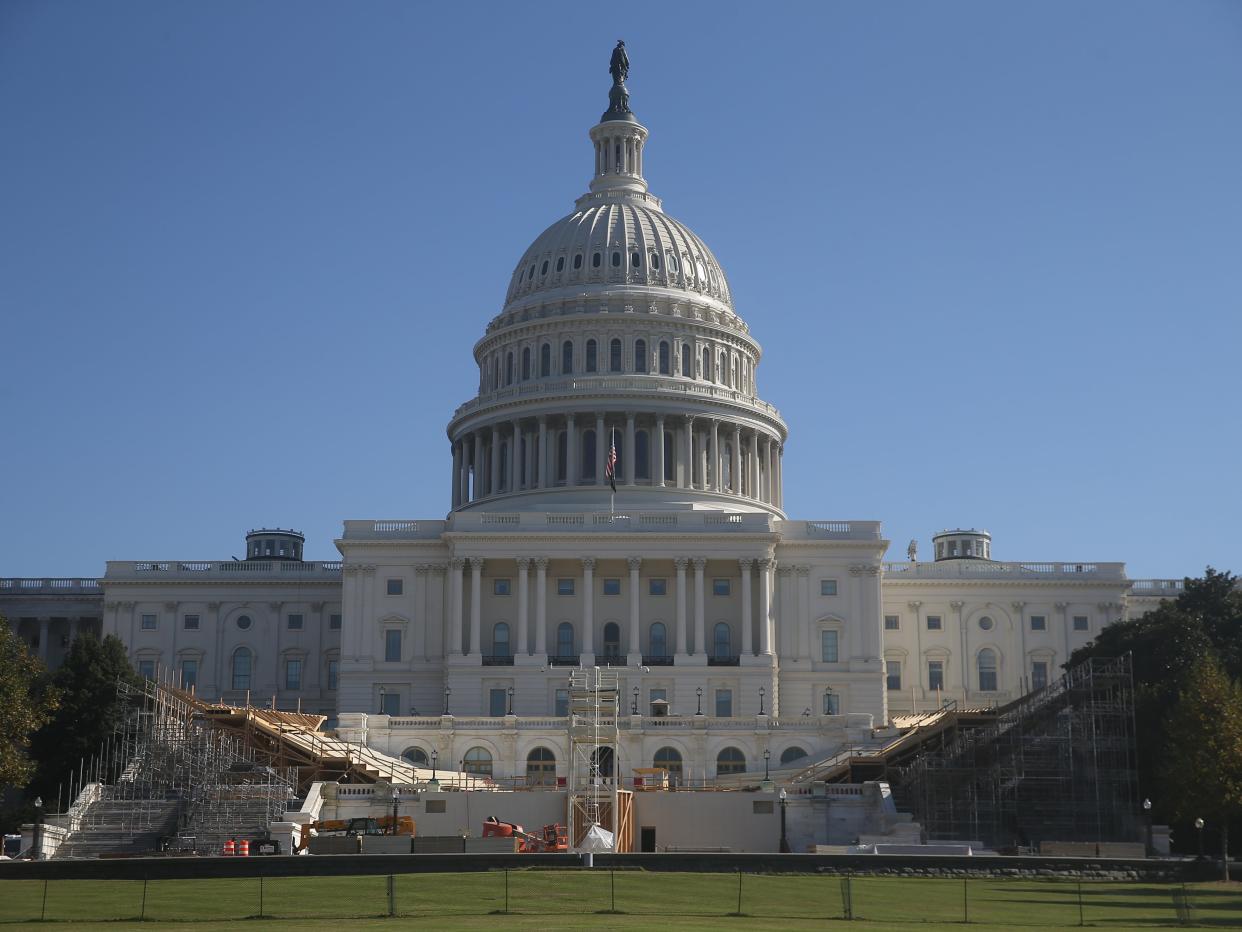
[[90, 709], [27, 700], [1203, 751]]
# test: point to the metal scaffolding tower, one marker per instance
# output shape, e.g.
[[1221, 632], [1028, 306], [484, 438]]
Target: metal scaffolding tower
[[593, 742]]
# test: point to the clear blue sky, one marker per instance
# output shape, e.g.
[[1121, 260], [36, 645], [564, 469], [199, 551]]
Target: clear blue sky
[[993, 252]]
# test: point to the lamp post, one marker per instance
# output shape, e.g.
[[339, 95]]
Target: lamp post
[[434, 785], [699, 692], [396, 802], [447, 693], [634, 705], [1147, 819], [383, 692], [1199, 829], [784, 807], [36, 847], [830, 701], [762, 693], [510, 700]]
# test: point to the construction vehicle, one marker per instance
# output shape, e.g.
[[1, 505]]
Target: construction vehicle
[[549, 839], [353, 827]]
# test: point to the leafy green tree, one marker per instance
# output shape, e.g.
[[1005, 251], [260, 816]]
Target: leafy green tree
[[90, 709], [1202, 766], [27, 700]]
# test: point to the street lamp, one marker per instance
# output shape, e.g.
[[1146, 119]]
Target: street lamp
[[767, 756], [1199, 829], [784, 837], [396, 801], [383, 691], [510, 700], [434, 785], [634, 705], [699, 692], [36, 849], [447, 693], [762, 693], [1147, 817]]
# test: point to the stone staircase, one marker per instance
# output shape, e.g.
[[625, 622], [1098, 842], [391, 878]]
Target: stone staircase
[[120, 827]]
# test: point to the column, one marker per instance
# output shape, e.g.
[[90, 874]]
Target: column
[[588, 605], [494, 458], [700, 646], [599, 449], [542, 453], [456, 483], [635, 564], [476, 460], [702, 458], [963, 660], [541, 605], [736, 465], [801, 645], [680, 563], [658, 479], [687, 460], [529, 437], [515, 448], [523, 621], [752, 458], [765, 605], [1019, 613], [747, 613], [454, 644], [715, 455], [476, 606], [630, 451], [780, 475], [45, 633], [571, 451]]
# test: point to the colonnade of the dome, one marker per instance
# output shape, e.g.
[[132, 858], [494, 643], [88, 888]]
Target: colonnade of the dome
[[655, 450]]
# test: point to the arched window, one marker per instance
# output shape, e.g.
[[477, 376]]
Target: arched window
[[564, 640], [588, 454], [670, 466], [601, 761], [416, 756], [562, 455], [478, 761], [640, 355], [567, 358], [789, 755], [612, 639], [657, 640], [665, 362], [642, 455], [525, 363], [500, 640], [614, 356], [242, 660], [668, 759], [616, 259], [730, 760], [733, 379], [721, 641], [686, 365], [655, 261], [723, 375], [987, 670], [541, 767], [509, 368], [545, 360], [592, 362], [726, 467], [706, 374]]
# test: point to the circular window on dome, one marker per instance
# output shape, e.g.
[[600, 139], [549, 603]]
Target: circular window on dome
[[985, 623], [243, 621]]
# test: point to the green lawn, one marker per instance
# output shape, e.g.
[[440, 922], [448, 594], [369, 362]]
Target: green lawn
[[579, 899]]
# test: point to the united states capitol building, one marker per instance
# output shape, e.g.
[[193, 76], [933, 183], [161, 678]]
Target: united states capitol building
[[740, 633]]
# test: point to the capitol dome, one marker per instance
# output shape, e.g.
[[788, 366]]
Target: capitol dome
[[618, 332]]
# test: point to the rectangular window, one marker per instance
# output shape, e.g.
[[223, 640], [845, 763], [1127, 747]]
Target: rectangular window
[[828, 646], [720, 587], [334, 622], [893, 675], [392, 645], [1080, 623], [935, 674], [934, 623], [1039, 623], [612, 587], [496, 699], [396, 586], [657, 587], [827, 587], [150, 622], [391, 703], [892, 622], [334, 671], [987, 680], [146, 669], [191, 622], [564, 587], [561, 704], [1039, 674], [293, 674], [724, 703], [500, 587], [295, 622], [189, 673]]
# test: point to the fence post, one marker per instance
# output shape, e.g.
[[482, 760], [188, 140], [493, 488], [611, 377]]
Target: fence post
[[260, 896], [739, 892], [1080, 922], [506, 891], [142, 913], [43, 910], [965, 900], [392, 896], [847, 897], [612, 877]]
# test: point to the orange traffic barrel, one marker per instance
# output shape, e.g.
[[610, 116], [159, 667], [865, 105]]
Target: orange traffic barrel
[[243, 848], [228, 848]]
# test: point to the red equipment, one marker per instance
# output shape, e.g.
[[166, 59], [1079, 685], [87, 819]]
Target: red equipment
[[550, 838]]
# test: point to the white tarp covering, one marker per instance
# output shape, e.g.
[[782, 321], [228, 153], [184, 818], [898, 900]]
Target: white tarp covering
[[596, 839]]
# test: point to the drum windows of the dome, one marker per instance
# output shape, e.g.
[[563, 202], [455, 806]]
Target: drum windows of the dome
[[578, 261], [614, 356], [530, 273], [595, 260], [592, 364], [560, 263], [698, 268], [655, 261], [636, 260], [616, 260], [672, 263], [543, 269]]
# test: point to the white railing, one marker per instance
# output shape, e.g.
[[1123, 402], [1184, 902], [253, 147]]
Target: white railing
[[207, 568], [602, 521], [53, 585], [1154, 586], [393, 530], [986, 569], [830, 530]]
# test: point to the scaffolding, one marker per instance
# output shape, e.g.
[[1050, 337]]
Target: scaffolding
[[1056, 765], [594, 793]]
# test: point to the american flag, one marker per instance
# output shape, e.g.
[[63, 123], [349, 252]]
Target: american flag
[[610, 465]]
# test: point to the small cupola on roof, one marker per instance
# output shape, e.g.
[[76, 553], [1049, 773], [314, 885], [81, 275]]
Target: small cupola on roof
[[963, 544], [274, 544]]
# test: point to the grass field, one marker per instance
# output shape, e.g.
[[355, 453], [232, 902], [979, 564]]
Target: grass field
[[582, 900]]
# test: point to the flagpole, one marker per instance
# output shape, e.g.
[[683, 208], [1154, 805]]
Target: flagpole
[[612, 496]]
